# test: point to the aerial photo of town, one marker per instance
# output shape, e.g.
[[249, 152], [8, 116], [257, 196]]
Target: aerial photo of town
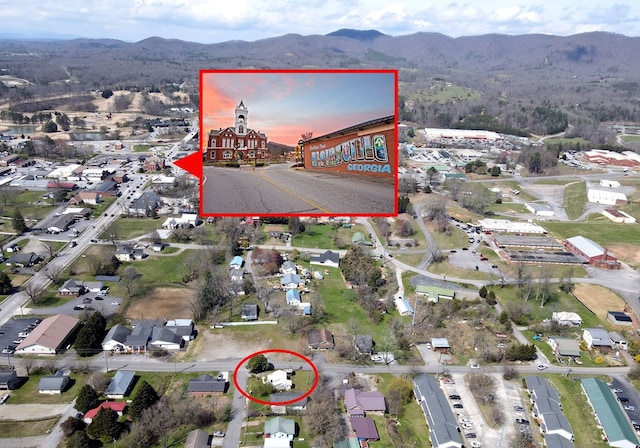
[[489, 298]]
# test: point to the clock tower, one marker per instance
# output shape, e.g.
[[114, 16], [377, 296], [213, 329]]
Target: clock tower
[[241, 119]]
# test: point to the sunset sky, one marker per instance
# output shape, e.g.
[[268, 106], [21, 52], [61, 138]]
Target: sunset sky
[[285, 105]]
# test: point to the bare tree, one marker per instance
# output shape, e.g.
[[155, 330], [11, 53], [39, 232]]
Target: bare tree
[[53, 272], [50, 247], [544, 287], [130, 279], [33, 292]]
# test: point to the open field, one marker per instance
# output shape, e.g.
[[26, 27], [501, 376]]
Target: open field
[[603, 233], [14, 429], [327, 236], [28, 392], [128, 228], [599, 299], [165, 303], [575, 198]]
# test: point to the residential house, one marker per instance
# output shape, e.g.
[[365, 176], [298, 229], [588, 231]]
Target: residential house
[[596, 338], [610, 417], [443, 426], [364, 344], [186, 221], [72, 287], [23, 260], [249, 311], [320, 340], [121, 384], [163, 338], [291, 281], [8, 379], [328, 258], [359, 403], [289, 267], [364, 428], [117, 406], [280, 428], [138, 340], [564, 346], [185, 328], [280, 380], [440, 345], [206, 385], [53, 384], [293, 297], [236, 262], [50, 337], [618, 341], [128, 252], [116, 338], [236, 274], [157, 247], [299, 405], [198, 438]]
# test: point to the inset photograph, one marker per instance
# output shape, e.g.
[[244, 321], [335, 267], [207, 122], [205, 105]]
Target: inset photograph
[[309, 143]]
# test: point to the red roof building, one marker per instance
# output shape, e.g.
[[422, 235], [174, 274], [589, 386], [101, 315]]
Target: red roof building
[[117, 406]]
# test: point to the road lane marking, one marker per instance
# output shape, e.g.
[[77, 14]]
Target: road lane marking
[[294, 194]]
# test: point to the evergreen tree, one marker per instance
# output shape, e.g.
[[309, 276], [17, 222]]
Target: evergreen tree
[[90, 336], [104, 425], [19, 224], [87, 399], [79, 439], [483, 292], [144, 399], [5, 283]]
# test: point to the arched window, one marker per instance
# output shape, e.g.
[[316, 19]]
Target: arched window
[[241, 129], [227, 155]]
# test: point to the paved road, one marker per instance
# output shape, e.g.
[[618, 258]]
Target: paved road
[[278, 189]]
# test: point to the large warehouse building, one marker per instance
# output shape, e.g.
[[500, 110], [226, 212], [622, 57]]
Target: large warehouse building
[[368, 148], [605, 157], [592, 252]]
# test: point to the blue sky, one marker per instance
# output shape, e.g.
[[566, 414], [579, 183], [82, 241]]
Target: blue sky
[[284, 105], [209, 21]]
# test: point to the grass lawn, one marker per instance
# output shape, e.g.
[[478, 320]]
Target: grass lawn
[[446, 268], [566, 141], [455, 240], [274, 333], [561, 302], [28, 392], [507, 207], [630, 138], [14, 429], [302, 380], [128, 228], [575, 197], [32, 206], [600, 232], [327, 236], [410, 259], [160, 271], [99, 208], [578, 412]]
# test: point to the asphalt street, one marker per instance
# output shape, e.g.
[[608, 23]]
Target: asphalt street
[[278, 189]]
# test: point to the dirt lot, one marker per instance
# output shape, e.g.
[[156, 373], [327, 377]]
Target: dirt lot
[[598, 299], [162, 303], [210, 345], [625, 252]]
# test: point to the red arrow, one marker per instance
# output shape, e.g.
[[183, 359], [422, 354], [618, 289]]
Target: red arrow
[[192, 164]]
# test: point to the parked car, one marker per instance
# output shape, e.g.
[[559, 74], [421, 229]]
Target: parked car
[[454, 397], [475, 444], [518, 408], [8, 350], [616, 390], [628, 407], [470, 435], [522, 421], [218, 434], [623, 399], [458, 406]]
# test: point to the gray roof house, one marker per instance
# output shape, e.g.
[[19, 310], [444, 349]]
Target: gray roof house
[[121, 384], [596, 338], [23, 260], [443, 426], [547, 408], [364, 344], [116, 338], [54, 384], [198, 438], [281, 428], [8, 379], [206, 385], [328, 258], [282, 397]]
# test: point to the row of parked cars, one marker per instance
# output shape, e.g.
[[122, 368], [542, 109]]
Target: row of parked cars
[[10, 349], [465, 423]]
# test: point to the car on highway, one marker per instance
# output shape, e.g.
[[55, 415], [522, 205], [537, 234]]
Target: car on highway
[[475, 366], [542, 366], [94, 241]]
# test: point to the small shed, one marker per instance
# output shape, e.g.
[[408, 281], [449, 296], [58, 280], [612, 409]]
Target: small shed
[[619, 318], [440, 345]]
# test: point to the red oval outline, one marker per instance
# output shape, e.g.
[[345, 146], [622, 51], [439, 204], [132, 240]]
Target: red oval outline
[[276, 403]]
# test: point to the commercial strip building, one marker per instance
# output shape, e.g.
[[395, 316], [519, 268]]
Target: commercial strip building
[[592, 252], [369, 149]]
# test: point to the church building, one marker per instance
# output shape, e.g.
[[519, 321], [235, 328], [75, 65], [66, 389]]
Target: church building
[[238, 143]]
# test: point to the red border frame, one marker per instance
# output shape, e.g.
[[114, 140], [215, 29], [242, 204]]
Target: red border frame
[[276, 403], [319, 215]]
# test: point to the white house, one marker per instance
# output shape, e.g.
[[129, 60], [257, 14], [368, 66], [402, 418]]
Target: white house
[[596, 338], [280, 380], [566, 318], [115, 338], [328, 258], [403, 306]]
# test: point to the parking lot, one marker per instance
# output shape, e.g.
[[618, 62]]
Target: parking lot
[[625, 391], [11, 329], [107, 305], [470, 417]]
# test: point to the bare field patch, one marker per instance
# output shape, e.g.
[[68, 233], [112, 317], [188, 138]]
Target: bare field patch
[[162, 303], [599, 299], [625, 252]]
